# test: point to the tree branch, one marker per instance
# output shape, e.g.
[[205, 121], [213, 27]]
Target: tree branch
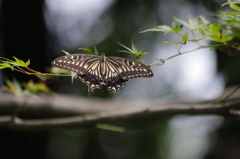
[[59, 111]]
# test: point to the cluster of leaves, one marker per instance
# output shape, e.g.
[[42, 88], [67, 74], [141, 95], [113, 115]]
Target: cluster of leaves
[[25, 88], [7, 63], [224, 32], [29, 88], [137, 54]]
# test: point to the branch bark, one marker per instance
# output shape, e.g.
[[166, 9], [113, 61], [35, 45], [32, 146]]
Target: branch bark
[[59, 111]]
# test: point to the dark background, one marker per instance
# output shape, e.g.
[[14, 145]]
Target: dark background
[[24, 34]]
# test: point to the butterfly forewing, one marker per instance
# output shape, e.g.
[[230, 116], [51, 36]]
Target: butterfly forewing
[[129, 69], [86, 66], [76, 62]]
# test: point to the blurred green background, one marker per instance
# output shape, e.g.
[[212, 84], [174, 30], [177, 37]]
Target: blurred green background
[[39, 29]]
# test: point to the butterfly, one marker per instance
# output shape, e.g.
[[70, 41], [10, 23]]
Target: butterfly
[[94, 71]]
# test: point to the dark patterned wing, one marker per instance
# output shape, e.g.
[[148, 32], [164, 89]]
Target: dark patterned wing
[[78, 63], [85, 65], [120, 70]]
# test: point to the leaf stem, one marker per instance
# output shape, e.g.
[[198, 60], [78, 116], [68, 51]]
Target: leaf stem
[[161, 61]]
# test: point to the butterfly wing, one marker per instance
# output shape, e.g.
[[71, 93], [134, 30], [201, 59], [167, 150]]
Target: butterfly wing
[[88, 67], [120, 70], [85, 65]]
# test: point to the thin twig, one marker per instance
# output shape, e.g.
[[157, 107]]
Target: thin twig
[[195, 38], [180, 48], [36, 72], [198, 48], [229, 95], [235, 47]]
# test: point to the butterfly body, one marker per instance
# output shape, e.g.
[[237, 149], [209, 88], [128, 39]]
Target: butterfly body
[[94, 71]]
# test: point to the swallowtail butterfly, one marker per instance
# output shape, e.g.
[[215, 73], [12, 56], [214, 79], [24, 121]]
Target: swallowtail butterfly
[[94, 71]]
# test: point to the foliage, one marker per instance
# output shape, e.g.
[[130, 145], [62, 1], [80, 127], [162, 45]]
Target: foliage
[[89, 51], [222, 34], [29, 88], [6, 63], [137, 54]]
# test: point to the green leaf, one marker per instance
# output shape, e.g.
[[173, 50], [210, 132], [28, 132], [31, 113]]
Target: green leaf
[[182, 22], [137, 58], [201, 32], [19, 62], [5, 65], [36, 87], [163, 28], [193, 40], [172, 42], [175, 24], [7, 60], [204, 20], [193, 22], [185, 37], [28, 63], [232, 5], [216, 32], [177, 30], [134, 48], [226, 3], [230, 18], [95, 51], [110, 127], [89, 51], [140, 53], [137, 54], [67, 53], [14, 87], [125, 47]]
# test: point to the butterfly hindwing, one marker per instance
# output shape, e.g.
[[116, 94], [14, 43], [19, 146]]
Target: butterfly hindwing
[[92, 81]]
